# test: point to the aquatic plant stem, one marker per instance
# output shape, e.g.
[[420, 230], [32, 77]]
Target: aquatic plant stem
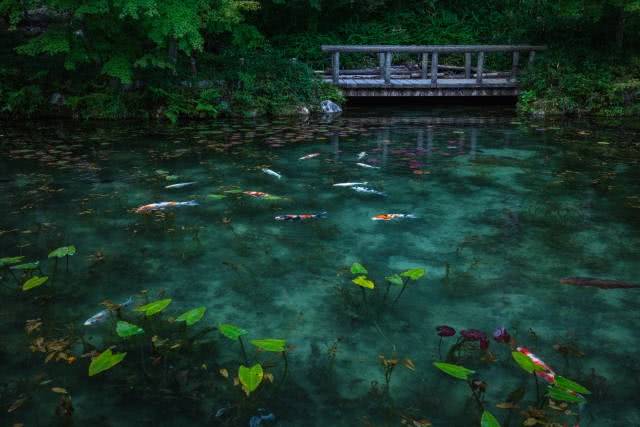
[[439, 349], [537, 389], [476, 397], [244, 352], [404, 286]]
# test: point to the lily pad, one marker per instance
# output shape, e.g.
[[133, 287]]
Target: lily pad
[[571, 385], [171, 177], [192, 316], [10, 260], [395, 279], [357, 268], [364, 282], [26, 266], [234, 191], [250, 378], [126, 329], [558, 393], [270, 344], [104, 361], [162, 172], [455, 371], [154, 307], [216, 196], [232, 332], [488, 420], [525, 363], [414, 273], [62, 252], [34, 282]]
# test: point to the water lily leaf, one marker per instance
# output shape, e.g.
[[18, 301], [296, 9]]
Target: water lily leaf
[[272, 197], [126, 329], [231, 331], [455, 371], [10, 260], [558, 393], [192, 316], [270, 344], [154, 307], [34, 282], [567, 384], [395, 279], [234, 191], [216, 196], [104, 361], [414, 273], [171, 177], [26, 266], [250, 378], [162, 172], [488, 420], [357, 268], [525, 363], [364, 282], [62, 252]]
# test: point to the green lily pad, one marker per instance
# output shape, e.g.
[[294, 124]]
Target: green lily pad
[[250, 378], [414, 273], [231, 331], [364, 282], [558, 393], [235, 191], [154, 307], [10, 260], [34, 282], [171, 177], [62, 252], [455, 371], [104, 361], [525, 363], [192, 316], [357, 268], [216, 196], [26, 266], [395, 279], [488, 420], [126, 329], [270, 344], [567, 384]]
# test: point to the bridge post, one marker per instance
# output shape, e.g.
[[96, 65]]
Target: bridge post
[[514, 65], [387, 67], [381, 60], [467, 65], [480, 69], [425, 65], [335, 67], [434, 68], [532, 56]]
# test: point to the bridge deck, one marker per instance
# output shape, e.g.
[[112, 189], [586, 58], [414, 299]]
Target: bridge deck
[[346, 82]]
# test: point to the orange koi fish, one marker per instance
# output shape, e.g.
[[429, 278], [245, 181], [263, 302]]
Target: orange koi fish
[[547, 373], [163, 205], [390, 217], [256, 194]]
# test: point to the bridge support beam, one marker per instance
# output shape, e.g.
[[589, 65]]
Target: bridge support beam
[[335, 67], [387, 67], [434, 68], [425, 65], [467, 65], [480, 68], [514, 65]]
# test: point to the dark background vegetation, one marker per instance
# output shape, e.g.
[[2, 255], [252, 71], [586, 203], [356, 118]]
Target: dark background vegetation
[[203, 58]]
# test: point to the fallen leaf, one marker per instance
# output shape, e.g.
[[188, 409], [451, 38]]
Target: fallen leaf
[[530, 422], [17, 404], [59, 390], [408, 363], [268, 376], [506, 405], [224, 373]]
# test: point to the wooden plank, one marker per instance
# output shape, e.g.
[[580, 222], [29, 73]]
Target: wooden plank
[[480, 67], [335, 67], [425, 65], [428, 48], [467, 65], [387, 67], [514, 65], [434, 68]]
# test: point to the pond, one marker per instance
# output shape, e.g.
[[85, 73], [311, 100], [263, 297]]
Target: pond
[[498, 210]]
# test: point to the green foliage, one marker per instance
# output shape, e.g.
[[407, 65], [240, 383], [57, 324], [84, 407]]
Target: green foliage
[[26, 266], [62, 252], [270, 344], [456, 371], [154, 307], [10, 260], [231, 331], [395, 279], [250, 378], [192, 316], [357, 268], [104, 361], [414, 273], [525, 363], [567, 384], [34, 282], [559, 393], [488, 420], [126, 329], [363, 282]]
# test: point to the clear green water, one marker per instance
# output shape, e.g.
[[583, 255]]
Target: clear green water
[[505, 208]]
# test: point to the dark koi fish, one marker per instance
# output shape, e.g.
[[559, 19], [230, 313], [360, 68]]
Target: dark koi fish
[[300, 217], [598, 283]]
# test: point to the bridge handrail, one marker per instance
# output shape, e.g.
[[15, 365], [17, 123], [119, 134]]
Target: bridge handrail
[[430, 48]]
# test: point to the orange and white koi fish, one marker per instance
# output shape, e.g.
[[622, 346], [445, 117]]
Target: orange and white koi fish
[[300, 217], [309, 156], [547, 373], [256, 194], [163, 205], [390, 217]]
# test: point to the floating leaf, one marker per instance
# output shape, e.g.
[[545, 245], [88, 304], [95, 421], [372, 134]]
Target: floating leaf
[[104, 361], [357, 268], [414, 273], [571, 385], [59, 390], [250, 378], [231, 331], [557, 393], [62, 252], [395, 279], [154, 307], [525, 363], [10, 260], [234, 191], [364, 282], [34, 282], [270, 344], [408, 363], [272, 197], [171, 177], [192, 316], [455, 371], [126, 329], [488, 420], [216, 196], [26, 266]]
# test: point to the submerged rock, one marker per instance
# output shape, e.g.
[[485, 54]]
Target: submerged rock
[[330, 107]]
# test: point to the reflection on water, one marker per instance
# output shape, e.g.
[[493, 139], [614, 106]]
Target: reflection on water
[[504, 209]]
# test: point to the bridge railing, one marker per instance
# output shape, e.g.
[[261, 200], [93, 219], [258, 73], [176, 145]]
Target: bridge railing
[[429, 69]]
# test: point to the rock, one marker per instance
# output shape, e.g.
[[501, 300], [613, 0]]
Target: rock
[[302, 110], [56, 99], [330, 107]]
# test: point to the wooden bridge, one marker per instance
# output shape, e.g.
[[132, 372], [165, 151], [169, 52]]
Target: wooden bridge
[[427, 77]]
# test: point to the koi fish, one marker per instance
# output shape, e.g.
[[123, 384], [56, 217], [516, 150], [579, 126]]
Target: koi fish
[[362, 155], [367, 190], [349, 184], [263, 415], [179, 185], [547, 373], [256, 194], [164, 205], [309, 156], [364, 165], [598, 283], [272, 173], [104, 314], [300, 217], [389, 217]]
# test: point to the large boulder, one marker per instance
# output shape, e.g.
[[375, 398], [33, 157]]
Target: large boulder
[[330, 107]]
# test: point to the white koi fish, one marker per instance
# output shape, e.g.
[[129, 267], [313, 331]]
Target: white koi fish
[[349, 184], [309, 156], [179, 185], [362, 155], [163, 205], [272, 173], [104, 314], [364, 165], [367, 190]]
